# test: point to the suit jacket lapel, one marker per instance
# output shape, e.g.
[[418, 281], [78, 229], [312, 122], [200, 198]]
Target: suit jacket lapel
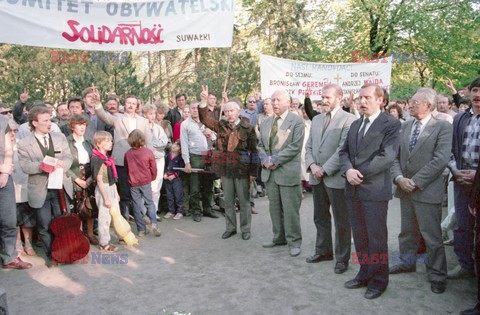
[[127, 132], [287, 122], [35, 147], [268, 123], [427, 131], [321, 132], [354, 129], [372, 131]]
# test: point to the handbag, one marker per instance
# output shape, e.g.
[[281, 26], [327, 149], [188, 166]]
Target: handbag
[[83, 204]]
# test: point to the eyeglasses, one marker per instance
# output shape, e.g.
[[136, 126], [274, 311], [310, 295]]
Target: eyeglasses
[[6, 112], [251, 101]]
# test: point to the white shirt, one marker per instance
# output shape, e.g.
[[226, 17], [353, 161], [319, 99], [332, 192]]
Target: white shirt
[[280, 120], [132, 123], [423, 123], [83, 157], [371, 119], [334, 111], [41, 138]]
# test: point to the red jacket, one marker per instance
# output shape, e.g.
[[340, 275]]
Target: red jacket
[[140, 166]]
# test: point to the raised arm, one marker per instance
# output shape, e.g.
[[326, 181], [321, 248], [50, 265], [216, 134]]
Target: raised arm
[[203, 111], [308, 105]]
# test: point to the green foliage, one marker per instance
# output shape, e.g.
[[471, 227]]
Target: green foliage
[[317, 31]]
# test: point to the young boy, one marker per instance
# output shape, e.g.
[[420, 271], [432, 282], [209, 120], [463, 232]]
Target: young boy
[[174, 183], [141, 170], [105, 175]]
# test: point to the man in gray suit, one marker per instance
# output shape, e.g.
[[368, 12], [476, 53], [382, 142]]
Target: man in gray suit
[[123, 124], [425, 146], [366, 158], [31, 152], [327, 135], [281, 139]]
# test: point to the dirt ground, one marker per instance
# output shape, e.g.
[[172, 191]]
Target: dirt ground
[[191, 270]]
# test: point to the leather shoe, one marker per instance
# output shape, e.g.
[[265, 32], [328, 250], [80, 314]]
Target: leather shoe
[[272, 244], [18, 264], [245, 235], [460, 273], [396, 269], [210, 214], [340, 267], [438, 286], [318, 258], [295, 251], [228, 234], [196, 218], [472, 311], [372, 294], [355, 284]]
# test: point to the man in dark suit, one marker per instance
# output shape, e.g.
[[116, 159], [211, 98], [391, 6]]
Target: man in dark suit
[[425, 146], [327, 135], [366, 158], [174, 115]]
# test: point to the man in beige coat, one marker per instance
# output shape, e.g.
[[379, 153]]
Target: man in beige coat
[[31, 152], [123, 124], [281, 139]]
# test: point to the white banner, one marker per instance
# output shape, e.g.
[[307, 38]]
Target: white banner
[[117, 26], [296, 76]]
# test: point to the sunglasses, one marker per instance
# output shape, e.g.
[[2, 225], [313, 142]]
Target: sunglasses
[[6, 112]]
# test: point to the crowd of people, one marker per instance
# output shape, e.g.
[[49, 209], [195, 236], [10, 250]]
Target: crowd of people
[[157, 161]]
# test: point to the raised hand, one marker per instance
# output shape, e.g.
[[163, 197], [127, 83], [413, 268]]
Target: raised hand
[[96, 94], [308, 92], [24, 96], [349, 99], [257, 95], [450, 86], [204, 94], [225, 96], [171, 101]]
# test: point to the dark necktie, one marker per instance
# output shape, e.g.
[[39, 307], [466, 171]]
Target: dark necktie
[[361, 133], [45, 142], [415, 134], [273, 132]]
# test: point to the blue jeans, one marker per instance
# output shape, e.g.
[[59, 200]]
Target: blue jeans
[[143, 195], [45, 215], [8, 223], [175, 195], [463, 235]]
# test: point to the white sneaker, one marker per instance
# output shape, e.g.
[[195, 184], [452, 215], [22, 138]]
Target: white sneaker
[[169, 215], [178, 216]]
